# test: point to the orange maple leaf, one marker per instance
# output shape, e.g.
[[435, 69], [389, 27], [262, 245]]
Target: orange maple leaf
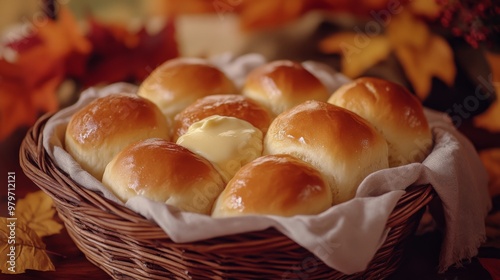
[[29, 80]]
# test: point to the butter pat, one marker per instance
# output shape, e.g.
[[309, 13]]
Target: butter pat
[[227, 142]]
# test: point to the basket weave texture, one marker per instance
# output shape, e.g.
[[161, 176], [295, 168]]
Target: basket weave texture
[[127, 246]]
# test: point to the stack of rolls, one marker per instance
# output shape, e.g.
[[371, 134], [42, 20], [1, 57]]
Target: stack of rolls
[[281, 145]]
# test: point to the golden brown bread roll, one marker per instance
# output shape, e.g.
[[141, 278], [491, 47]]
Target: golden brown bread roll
[[276, 185], [232, 105], [165, 172], [344, 147], [282, 84], [98, 131], [396, 113], [227, 142], [179, 82]]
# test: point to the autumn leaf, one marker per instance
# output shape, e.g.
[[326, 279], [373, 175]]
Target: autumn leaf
[[30, 77], [422, 54], [406, 29], [36, 210], [434, 59], [23, 93], [25, 245], [356, 55]]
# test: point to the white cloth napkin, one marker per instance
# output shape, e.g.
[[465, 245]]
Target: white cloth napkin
[[346, 236]]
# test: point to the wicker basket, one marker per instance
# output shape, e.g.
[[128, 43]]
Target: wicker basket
[[128, 246]]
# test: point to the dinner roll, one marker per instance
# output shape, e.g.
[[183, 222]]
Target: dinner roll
[[179, 82], [344, 147], [282, 84], [165, 172], [232, 105], [394, 112], [227, 142], [98, 131], [275, 185]]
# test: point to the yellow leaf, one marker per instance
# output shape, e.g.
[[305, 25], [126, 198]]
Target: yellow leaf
[[378, 50], [407, 29], [21, 248], [422, 54], [36, 210], [359, 51], [333, 43], [434, 59], [440, 54]]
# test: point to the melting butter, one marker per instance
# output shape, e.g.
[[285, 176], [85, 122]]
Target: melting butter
[[227, 142]]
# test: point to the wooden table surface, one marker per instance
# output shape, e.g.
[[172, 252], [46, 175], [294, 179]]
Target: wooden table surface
[[419, 261]]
